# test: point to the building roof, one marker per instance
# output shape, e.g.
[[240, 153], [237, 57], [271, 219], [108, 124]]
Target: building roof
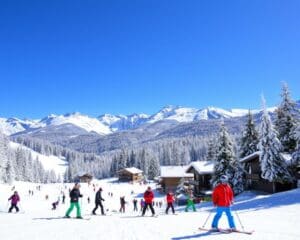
[[202, 167], [132, 170], [174, 171], [286, 156]]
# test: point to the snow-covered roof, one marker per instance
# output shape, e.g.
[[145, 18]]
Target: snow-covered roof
[[250, 157], [202, 167], [133, 170], [286, 156], [174, 171]]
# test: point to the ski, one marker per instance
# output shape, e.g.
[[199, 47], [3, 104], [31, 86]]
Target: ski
[[87, 219], [220, 230], [243, 231]]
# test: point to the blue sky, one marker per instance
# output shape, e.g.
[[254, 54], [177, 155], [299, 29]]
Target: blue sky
[[130, 56]]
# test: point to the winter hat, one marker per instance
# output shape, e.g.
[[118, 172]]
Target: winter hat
[[224, 179]]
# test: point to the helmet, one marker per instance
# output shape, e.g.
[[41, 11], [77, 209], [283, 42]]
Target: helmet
[[224, 179]]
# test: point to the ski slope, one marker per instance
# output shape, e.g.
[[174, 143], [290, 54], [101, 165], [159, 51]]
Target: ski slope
[[273, 217]]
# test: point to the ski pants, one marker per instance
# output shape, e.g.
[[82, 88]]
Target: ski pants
[[218, 215], [98, 204], [135, 207], [190, 203], [146, 206], [122, 208], [13, 206], [170, 205], [74, 204]]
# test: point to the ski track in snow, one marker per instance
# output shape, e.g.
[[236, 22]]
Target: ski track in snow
[[273, 222]]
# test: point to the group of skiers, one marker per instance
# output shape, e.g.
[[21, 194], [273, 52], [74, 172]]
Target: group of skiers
[[222, 199]]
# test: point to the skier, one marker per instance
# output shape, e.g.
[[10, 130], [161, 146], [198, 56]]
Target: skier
[[222, 198], [148, 196], [98, 202], [170, 201], [63, 198], [88, 200], [122, 202], [135, 205], [15, 198], [142, 203], [54, 205], [74, 196], [190, 202]]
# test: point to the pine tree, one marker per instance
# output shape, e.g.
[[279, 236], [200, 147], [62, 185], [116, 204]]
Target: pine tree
[[10, 171], [295, 164], [249, 140], [286, 120], [211, 150], [154, 168], [272, 164], [3, 157], [224, 158]]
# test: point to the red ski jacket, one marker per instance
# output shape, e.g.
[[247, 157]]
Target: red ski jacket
[[148, 196], [170, 198], [222, 195]]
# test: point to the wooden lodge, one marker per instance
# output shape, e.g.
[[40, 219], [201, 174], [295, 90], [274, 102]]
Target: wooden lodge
[[130, 175], [202, 173], [85, 178], [171, 177], [254, 181]]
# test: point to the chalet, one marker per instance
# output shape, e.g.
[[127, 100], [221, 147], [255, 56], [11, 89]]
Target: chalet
[[85, 178], [254, 181], [171, 177], [202, 173], [131, 174]]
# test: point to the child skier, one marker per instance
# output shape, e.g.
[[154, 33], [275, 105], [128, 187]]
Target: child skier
[[74, 196], [15, 198], [222, 198], [170, 201], [190, 202], [135, 208], [122, 203], [148, 196]]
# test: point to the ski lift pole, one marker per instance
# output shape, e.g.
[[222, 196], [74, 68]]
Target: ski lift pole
[[238, 217]]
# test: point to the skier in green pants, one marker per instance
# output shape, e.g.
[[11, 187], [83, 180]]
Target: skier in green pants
[[190, 202], [74, 196]]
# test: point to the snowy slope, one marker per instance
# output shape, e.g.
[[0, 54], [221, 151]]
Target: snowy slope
[[57, 164], [273, 217]]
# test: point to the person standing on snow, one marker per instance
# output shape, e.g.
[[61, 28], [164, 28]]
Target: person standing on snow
[[15, 198], [74, 196], [170, 201], [98, 202], [222, 198], [135, 208], [148, 196], [190, 202], [122, 203]]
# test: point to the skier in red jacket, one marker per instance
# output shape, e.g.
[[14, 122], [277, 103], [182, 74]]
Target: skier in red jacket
[[170, 201], [148, 196], [222, 198]]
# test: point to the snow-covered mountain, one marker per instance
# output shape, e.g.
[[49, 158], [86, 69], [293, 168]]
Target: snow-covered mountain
[[107, 123]]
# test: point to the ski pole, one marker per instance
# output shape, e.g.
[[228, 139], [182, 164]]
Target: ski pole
[[210, 212], [239, 220]]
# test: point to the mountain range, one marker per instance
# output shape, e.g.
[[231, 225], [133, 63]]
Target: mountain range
[[108, 123]]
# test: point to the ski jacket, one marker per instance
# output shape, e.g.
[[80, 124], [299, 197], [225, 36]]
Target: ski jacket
[[148, 196], [14, 199], [222, 195], [75, 195], [122, 201], [98, 197], [170, 198]]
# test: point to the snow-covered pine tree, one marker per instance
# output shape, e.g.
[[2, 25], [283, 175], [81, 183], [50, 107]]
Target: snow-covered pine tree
[[154, 168], [273, 166], [3, 157], [249, 139], [296, 155], [211, 150], [10, 171], [225, 157], [238, 181], [286, 120]]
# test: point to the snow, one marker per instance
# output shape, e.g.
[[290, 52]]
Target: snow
[[51, 162], [203, 167], [133, 170], [273, 217], [174, 171]]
